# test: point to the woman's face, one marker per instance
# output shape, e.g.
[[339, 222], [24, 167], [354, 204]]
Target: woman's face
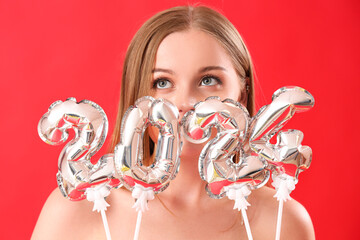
[[189, 67]]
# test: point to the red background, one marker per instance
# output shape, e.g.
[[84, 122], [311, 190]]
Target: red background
[[51, 50]]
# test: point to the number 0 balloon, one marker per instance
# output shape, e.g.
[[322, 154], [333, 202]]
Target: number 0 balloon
[[145, 181]]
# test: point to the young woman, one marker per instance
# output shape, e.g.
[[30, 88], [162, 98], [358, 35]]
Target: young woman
[[183, 54]]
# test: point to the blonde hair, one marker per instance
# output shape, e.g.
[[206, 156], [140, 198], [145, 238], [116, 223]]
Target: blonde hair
[[140, 56]]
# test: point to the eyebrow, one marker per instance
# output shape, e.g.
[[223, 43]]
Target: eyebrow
[[202, 70], [209, 68], [163, 70]]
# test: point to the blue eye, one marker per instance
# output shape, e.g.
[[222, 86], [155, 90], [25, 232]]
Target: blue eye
[[162, 84], [209, 81]]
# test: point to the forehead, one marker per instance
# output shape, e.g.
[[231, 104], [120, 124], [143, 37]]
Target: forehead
[[191, 49]]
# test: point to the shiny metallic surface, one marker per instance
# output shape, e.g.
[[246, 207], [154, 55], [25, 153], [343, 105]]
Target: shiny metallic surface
[[288, 156], [271, 118], [90, 124], [224, 115], [217, 165], [129, 153]]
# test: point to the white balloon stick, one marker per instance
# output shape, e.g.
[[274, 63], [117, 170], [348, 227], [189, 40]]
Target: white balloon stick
[[284, 185], [106, 225], [142, 196], [97, 196], [247, 225], [138, 223], [239, 192], [278, 222]]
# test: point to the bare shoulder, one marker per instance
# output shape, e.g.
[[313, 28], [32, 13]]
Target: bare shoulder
[[60, 217], [296, 222]]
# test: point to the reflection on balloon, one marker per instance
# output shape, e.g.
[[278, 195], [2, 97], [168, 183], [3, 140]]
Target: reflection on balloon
[[287, 158], [145, 181], [239, 159], [77, 177], [76, 172], [129, 153], [216, 162], [271, 118]]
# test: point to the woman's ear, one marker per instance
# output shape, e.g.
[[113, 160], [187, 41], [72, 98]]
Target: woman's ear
[[245, 92]]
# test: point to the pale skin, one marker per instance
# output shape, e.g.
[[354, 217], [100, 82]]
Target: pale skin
[[190, 66]]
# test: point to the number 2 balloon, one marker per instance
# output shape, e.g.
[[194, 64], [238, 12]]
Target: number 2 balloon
[[77, 177], [216, 162]]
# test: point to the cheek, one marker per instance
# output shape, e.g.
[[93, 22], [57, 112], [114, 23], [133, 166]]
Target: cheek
[[235, 89], [233, 93], [169, 95]]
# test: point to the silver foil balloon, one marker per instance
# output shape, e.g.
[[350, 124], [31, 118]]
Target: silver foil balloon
[[288, 156], [216, 161], [227, 115], [129, 153], [75, 171], [271, 118]]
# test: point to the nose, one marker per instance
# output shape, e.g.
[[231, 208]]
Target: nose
[[184, 101]]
